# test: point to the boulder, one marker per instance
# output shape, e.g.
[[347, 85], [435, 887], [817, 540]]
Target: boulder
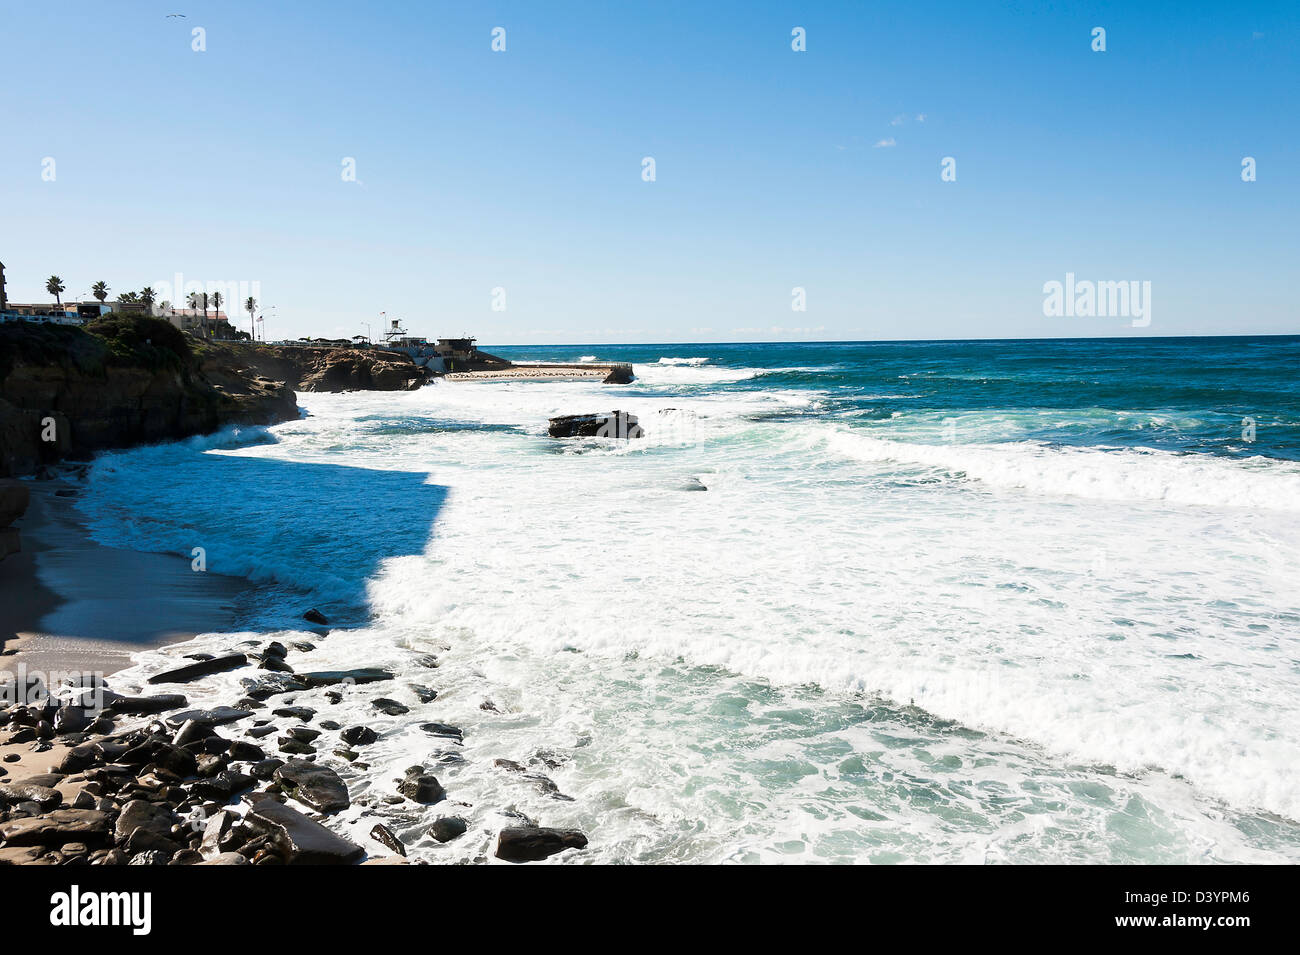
[[448, 828], [317, 786], [612, 424], [529, 844], [422, 788]]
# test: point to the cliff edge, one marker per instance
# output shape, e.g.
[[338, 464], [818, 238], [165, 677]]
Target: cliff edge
[[67, 392]]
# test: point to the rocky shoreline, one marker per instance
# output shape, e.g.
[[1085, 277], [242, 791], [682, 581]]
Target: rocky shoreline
[[92, 776]]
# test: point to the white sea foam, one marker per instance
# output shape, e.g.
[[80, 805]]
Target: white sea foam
[[1116, 474], [701, 667]]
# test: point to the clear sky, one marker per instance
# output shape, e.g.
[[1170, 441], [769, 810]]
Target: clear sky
[[774, 169]]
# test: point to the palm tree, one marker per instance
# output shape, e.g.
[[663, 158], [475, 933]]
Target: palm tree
[[54, 285], [250, 304], [146, 297], [206, 333], [129, 298], [193, 300], [216, 307], [100, 290]]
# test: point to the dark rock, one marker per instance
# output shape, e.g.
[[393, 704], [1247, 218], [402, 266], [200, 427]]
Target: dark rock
[[244, 751], [265, 769], [145, 705], [526, 844], [302, 714], [330, 725], [272, 684], [140, 814], [217, 716], [422, 788], [57, 827], [354, 677], [389, 707], [146, 840], [315, 616], [423, 693], [223, 786], [317, 786], [359, 735], [386, 837], [303, 734], [303, 841], [45, 797], [200, 668], [294, 747], [614, 424], [448, 828], [445, 730]]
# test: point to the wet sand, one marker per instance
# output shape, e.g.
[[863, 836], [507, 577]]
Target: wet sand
[[68, 604]]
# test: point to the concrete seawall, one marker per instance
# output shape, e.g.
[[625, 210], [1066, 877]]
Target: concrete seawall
[[616, 373]]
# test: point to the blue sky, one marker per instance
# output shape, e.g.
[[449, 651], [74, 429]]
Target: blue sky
[[522, 169]]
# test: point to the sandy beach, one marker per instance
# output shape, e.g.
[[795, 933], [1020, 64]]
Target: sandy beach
[[68, 604]]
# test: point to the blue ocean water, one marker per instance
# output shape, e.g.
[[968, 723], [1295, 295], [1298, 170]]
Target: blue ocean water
[[1175, 394], [865, 602]]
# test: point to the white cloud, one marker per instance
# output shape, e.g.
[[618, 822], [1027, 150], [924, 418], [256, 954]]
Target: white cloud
[[920, 117], [898, 121], [885, 143]]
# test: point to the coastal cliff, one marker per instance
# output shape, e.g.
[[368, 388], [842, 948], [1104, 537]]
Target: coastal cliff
[[306, 368], [67, 392]]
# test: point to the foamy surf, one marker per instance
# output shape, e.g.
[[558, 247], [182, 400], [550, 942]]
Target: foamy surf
[[764, 641]]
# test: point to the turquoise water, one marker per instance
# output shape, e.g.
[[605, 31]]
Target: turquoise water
[[900, 602]]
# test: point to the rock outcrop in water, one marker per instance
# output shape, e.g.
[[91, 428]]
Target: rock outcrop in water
[[67, 392], [611, 424]]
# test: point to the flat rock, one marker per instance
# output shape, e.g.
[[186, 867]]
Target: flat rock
[[46, 797], [216, 716], [526, 844], [200, 668], [56, 828], [304, 841], [357, 677], [317, 786], [145, 705]]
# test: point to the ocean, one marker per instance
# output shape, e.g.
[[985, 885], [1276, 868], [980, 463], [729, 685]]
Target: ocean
[[979, 602]]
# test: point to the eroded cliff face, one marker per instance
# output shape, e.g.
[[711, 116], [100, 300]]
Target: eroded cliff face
[[341, 369], [68, 392]]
